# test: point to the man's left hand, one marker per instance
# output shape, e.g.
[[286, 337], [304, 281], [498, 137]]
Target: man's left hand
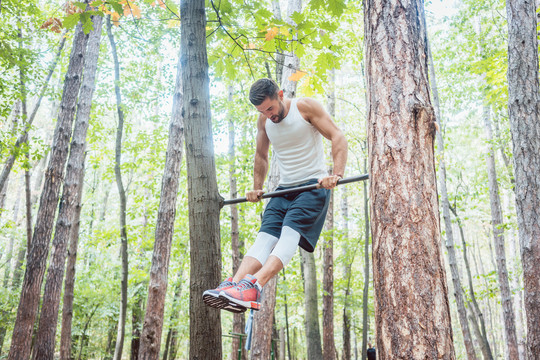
[[329, 182]]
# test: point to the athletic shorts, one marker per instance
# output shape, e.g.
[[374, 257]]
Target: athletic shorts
[[304, 212]]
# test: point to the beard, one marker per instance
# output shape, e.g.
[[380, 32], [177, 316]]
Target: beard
[[280, 116]]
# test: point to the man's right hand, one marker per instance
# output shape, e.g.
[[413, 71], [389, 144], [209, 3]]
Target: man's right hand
[[254, 195]]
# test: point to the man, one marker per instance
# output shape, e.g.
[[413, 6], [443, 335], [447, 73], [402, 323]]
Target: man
[[295, 128]]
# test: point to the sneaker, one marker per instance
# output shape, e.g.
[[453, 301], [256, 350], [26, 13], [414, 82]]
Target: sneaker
[[246, 293], [211, 297]]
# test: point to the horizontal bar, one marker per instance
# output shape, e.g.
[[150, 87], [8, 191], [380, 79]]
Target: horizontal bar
[[297, 189]]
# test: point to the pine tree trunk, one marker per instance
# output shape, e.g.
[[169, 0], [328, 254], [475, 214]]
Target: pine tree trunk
[[412, 313], [69, 284], [38, 252], [452, 260], [46, 333], [157, 289], [122, 194], [523, 98], [203, 196], [498, 240], [329, 347], [365, 295], [483, 340]]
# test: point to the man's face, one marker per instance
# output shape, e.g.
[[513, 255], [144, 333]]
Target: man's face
[[273, 109]]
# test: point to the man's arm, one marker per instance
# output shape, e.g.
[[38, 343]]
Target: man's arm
[[260, 167], [313, 112]]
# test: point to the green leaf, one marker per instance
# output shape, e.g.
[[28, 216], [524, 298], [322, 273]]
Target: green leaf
[[88, 25], [71, 20], [80, 5], [117, 7]]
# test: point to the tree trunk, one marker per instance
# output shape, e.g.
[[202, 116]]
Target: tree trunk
[[412, 313], [38, 252], [203, 196], [329, 347], [483, 340], [236, 244], [69, 285], [523, 110], [347, 276], [365, 295], [157, 289], [28, 121], [452, 261], [263, 320], [498, 240], [122, 193], [311, 321], [172, 335], [46, 333]]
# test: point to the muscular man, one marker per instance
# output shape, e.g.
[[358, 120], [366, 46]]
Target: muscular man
[[295, 128]]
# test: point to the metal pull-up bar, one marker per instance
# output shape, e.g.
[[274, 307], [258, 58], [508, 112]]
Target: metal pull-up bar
[[298, 189]]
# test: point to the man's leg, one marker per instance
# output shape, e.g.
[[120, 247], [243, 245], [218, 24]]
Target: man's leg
[[248, 291]]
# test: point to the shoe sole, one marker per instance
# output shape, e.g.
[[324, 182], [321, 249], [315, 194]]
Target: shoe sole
[[245, 304], [222, 304]]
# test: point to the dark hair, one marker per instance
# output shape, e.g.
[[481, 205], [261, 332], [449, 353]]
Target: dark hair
[[262, 89]]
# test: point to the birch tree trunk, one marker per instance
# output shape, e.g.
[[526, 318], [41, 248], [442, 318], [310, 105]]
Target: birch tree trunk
[[122, 194], [203, 196], [523, 98], [452, 260], [412, 313], [157, 289], [498, 240], [329, 347], [39, 249], [46, 333]]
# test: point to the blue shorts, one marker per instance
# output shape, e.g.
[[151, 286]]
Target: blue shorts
[[304, 212]]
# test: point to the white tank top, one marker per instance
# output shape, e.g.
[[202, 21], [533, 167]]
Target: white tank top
[[298, 147]]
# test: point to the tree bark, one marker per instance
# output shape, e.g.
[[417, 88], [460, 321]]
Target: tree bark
[[46, 333], [329, 347], [412, 313], [311, 321], [157, 289], [38, 252], [523, 99], [365, 295], [347, 276], [122, 193], [498, 240], [452, 260], [69, 285], [203, 196], [236, 244]]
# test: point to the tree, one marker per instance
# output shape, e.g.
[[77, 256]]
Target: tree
[[412, 313], [203, 195], [122, 193], [39, 246], [45, 338], [523, 110], [157, 288]]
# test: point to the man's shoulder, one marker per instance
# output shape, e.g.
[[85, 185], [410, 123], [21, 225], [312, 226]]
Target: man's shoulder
[[308, 107]]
